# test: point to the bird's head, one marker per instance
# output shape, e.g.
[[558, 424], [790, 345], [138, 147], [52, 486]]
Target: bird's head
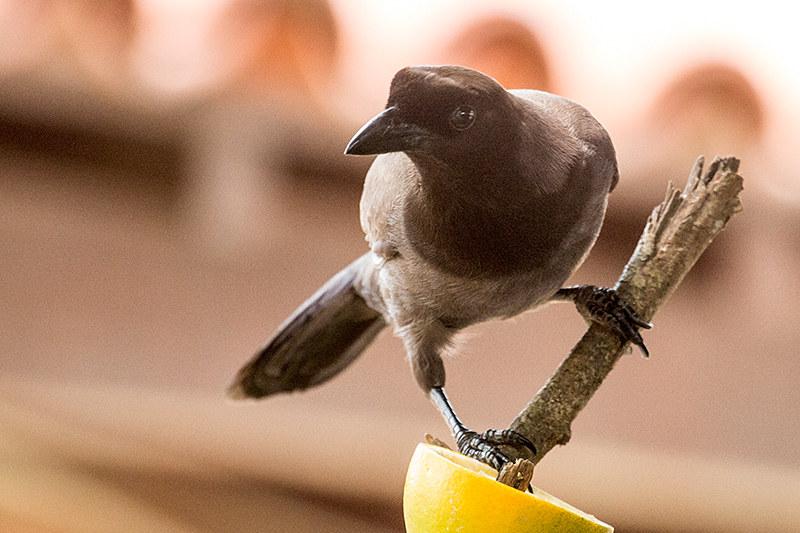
[[452, 114]]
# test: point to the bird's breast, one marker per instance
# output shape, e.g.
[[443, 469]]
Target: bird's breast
[[474, 238]]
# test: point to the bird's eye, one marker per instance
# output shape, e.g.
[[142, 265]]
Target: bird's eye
[[462, 118]]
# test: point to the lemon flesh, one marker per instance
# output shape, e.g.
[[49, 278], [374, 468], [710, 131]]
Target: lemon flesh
[[446, 491]]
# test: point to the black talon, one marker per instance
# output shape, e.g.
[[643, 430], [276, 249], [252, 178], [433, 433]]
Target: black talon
[[508, 437], [604, 305], [483, 447], [473, 445]]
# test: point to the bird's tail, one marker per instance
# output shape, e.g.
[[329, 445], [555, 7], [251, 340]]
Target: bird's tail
[[317, 342]]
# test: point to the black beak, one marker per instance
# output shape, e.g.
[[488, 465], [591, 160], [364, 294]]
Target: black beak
[[384, 134]]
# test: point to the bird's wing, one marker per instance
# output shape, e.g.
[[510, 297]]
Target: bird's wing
[[598, 150], [317, 342]]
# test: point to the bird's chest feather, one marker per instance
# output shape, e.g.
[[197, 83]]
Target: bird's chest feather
[[486, 232]]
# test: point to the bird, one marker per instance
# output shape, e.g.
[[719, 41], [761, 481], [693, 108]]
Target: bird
[[480, 204]]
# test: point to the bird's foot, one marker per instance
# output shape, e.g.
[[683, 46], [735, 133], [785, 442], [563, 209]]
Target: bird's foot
[[603, 305], [484, 446]]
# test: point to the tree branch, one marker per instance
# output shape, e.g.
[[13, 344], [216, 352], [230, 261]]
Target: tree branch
[[677, 232]]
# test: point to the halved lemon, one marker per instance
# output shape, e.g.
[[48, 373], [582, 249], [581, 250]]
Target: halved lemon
[[446, 491]]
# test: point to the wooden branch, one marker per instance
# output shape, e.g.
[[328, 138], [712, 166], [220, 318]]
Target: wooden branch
[[677, 232], [517, 475]]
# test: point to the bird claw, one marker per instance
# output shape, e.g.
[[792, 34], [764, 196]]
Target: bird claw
[[604, 305], [484, 447]]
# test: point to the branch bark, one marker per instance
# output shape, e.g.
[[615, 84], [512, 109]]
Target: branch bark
[[677, 232]]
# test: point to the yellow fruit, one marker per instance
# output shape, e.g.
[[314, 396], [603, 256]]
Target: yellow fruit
[[447, 491]]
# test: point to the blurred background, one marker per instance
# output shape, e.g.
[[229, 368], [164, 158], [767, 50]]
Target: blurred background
[[172, 186]]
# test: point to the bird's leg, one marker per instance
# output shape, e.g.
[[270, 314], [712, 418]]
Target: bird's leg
[[603, 305], [483, 447]]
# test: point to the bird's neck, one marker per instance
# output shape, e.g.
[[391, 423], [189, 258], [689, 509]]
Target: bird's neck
[[479, 186]]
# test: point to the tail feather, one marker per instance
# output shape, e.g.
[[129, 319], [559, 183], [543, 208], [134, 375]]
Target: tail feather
[[315, 343]]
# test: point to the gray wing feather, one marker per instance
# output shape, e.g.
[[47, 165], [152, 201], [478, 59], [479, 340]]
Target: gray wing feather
[[316, 342]]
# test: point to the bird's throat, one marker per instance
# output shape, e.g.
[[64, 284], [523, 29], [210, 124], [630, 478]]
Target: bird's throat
[[482, 229]]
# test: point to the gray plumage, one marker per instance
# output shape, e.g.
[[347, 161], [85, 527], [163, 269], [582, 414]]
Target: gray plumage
[[482, 203]]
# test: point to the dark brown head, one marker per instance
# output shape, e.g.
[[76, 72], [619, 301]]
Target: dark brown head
[[453, 114]]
